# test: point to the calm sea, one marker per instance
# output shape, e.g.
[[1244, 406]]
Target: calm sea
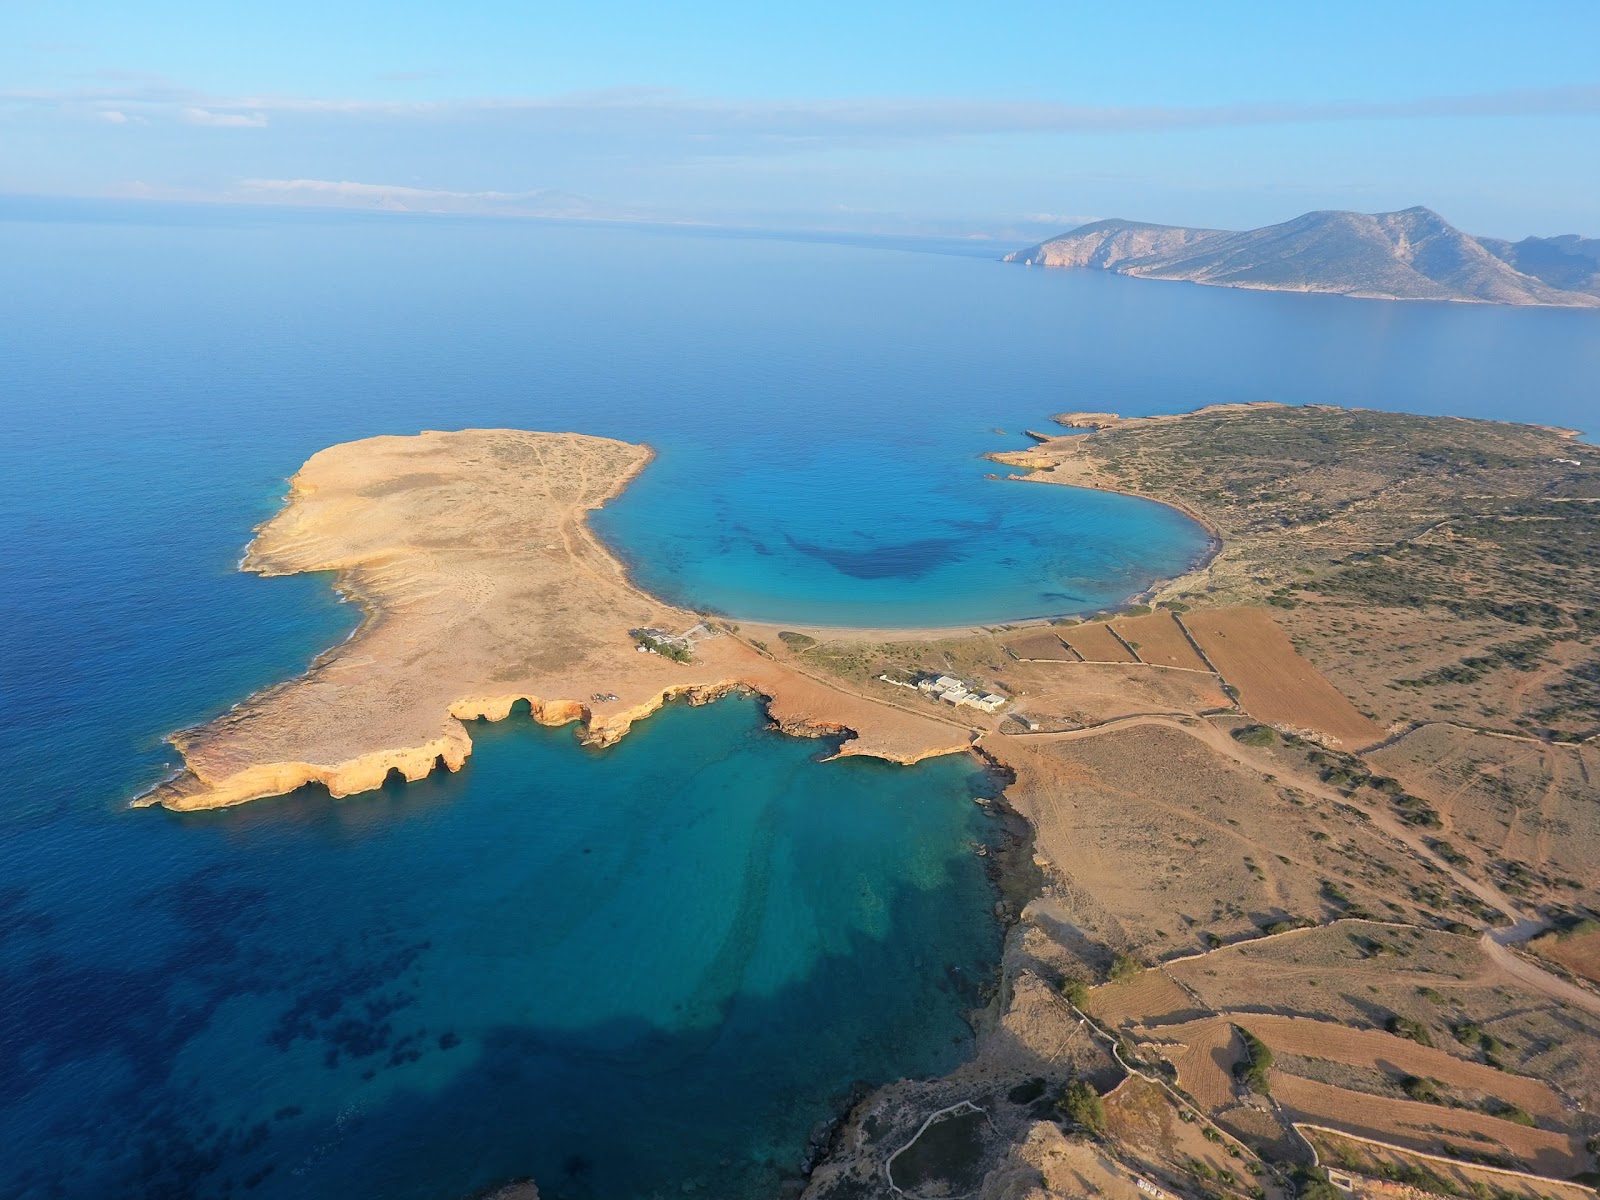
[[622, 971]]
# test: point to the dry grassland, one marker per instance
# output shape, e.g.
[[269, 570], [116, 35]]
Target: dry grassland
[[1042, 645], [1095, 642], [1427, 1127], [1145, 1123], [1071, 695], [1157, 841], [1509, 802], [1580, 955], [1157, 639], [1361, 974], [1402, 664], [1275, 684], [1333, 973]]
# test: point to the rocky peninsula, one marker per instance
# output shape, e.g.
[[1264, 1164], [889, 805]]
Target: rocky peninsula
[[482, 585]]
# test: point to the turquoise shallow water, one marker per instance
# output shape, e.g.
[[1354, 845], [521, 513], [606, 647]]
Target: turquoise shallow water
[[185, 1001], [593, 966]]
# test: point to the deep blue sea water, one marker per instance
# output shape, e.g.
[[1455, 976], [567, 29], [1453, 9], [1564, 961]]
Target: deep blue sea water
[[421, 991]]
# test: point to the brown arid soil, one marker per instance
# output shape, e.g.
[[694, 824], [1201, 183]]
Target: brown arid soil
[[1580, 954], [1376, 1171], [1158, 844], [1398, 1056], [1158, 639], [1205, 1053], [1523, 811], [1149, 996], [1364, 975], [1428, 1127], [1275, 684], [1094, 642], [482, 586], [1075, 696], [1039, 645]]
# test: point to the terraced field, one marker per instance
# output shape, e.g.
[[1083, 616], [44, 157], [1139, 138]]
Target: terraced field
[[1095, 642]]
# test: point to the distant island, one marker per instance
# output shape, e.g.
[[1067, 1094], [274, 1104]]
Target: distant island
[[1414, 254]]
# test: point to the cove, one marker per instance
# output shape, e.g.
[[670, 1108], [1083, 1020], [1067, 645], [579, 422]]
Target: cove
[[617, 971]]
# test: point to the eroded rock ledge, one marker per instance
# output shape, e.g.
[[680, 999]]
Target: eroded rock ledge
[[482, 585]]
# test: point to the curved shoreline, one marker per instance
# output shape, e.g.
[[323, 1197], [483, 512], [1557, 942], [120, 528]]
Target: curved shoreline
[[458, 547]]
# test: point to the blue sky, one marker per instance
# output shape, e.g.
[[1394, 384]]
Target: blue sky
[[999, 119]]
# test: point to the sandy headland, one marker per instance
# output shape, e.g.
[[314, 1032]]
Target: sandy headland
[[482, 585]]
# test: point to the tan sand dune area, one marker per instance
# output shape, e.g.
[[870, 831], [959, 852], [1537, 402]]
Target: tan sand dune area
[[483, 585]]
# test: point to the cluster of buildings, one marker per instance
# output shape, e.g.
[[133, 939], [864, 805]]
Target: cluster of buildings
[[954, 691], [679, 646]]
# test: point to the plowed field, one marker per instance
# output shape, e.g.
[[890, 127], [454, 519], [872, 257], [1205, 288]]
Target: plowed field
[[1204, 1053], [1425, 1126], [1159, 640], [1275, 684], [1096, 643], [1384, 1051], [1042, 645], [1149, 999]]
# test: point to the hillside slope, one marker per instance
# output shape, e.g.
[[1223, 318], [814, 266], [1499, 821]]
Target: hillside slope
[[1414, 254], [1568, 261]]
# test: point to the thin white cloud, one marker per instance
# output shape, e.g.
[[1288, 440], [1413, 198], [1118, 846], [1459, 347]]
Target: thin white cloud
[[943, 117], [224, 120], [346, 193], [112, 115], [804, 121]]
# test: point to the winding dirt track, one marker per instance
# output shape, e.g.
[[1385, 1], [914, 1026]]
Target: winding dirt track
[[1495, 942]]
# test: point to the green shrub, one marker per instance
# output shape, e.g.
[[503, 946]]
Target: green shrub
[[1510, 1112], [1405, 1027], [1311, 1183], [1256, 735], [1422, 1090], [1083, 1107], [1124, 967], [1258, 1062]]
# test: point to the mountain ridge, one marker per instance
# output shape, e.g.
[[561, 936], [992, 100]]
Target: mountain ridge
[[1412, 254]]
